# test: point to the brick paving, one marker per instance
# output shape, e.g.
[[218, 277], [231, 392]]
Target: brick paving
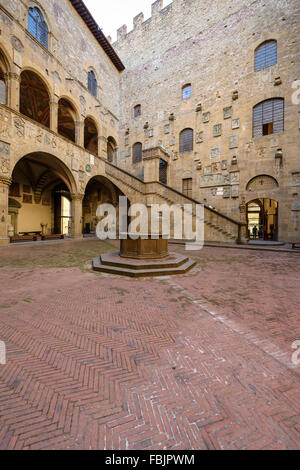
[[200, 361]]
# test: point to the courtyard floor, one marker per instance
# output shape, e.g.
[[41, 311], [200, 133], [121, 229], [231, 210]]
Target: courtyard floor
[[200, 361]]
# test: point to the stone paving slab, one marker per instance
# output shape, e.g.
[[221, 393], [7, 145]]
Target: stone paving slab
[[198, 361]]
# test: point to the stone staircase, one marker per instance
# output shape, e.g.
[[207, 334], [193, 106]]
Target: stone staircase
[[218, 227]]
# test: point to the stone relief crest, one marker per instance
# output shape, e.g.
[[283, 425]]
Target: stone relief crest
[[17, 44], [4, 165], [264, 182], [19, 127]]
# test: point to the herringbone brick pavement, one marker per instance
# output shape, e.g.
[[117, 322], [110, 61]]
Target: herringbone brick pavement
[[188, 362]]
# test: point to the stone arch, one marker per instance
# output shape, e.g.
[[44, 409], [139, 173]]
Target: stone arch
[[99, 190], [52, 162], [40, 184], [262, 183], [67, 118], [40, 73], [34, 97], [111, 149], [91, 134], [76, 107]]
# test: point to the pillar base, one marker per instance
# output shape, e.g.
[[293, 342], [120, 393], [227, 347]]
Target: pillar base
[[4, 241], [77, 236]]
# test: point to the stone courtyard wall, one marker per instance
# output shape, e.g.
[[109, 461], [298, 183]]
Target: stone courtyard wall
[[211, 45]]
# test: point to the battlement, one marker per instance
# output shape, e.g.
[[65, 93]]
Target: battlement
[[157, 12]]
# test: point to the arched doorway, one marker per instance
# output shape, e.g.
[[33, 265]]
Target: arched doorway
[[99, 190], [34, 98], [40, 196], [262, 219]]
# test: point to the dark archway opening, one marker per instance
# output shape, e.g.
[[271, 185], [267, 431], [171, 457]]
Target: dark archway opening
[[41, 191], [111, 150], [90, 136], [99, 190], [66, 120], [34, 98]]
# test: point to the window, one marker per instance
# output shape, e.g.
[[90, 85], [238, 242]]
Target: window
[[37, 26], [92, 83], [186, 141], [137, 110], [187, 187], [266, 55], [186, 91], [268, 117], [137, 153], [163, 167]]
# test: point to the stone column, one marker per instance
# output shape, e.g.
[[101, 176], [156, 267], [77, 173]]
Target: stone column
[[243, 229], [4, 187], [54, 114], [79, 133], [77, 215], [14, 90]]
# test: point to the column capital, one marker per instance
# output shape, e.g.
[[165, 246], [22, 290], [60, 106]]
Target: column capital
[[14, 76], [54, 101], [5, 180], [77, 197]]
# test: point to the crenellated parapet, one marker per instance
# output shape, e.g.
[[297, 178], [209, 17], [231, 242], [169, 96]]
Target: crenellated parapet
[[158, 13]]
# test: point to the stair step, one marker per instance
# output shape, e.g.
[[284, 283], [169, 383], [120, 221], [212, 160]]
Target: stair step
[[98, 266], [176, 261]]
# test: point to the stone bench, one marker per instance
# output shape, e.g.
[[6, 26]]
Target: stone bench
[[23, 238], [56, 236]]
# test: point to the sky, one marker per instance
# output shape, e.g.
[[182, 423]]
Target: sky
[[112, 14]]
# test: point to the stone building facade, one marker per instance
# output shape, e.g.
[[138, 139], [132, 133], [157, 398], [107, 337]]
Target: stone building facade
[[77, 114], [191, 66]]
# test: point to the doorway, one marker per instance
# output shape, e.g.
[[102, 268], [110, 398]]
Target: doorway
[[262, 219]]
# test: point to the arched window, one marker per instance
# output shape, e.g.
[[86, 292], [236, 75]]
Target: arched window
[[186, 141], [37, 26], [268, 117], [137, 153], [186, 91], [66, 120], [92, 83], [137, 110], [266, 55]]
